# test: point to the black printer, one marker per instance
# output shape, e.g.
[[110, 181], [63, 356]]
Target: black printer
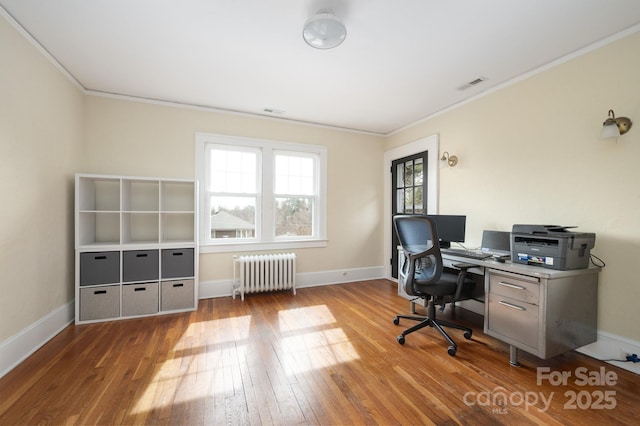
[[551, 246]]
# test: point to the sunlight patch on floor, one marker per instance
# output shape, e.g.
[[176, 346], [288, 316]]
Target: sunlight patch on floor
[[300, 318], [200, 371], [314, 349]]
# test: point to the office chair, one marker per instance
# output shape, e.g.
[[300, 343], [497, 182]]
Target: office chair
[[423, 275]]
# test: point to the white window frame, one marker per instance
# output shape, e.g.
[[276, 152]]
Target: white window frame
[[265, 222]]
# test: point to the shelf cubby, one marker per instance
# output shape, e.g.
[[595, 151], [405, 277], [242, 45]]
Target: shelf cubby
[[140, 195], [178, 196], [177, 227], [138, 227], [99, 194]]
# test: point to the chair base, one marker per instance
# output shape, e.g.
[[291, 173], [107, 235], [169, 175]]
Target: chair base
[[431, 321]]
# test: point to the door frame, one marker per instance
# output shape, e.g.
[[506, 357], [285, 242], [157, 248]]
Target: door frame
[[431, 144]]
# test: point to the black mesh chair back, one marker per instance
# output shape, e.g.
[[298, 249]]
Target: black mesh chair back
[[422, 257], [422, 274]]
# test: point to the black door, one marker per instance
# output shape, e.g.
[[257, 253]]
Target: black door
[[408, 194]]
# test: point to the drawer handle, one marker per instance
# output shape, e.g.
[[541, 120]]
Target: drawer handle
[[178, 253], [517, 287], [139, 289], [178, 285], [141, 255], [100, 292], [100, 257], [512, 306]]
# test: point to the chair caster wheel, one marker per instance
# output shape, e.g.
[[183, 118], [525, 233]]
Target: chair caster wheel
[[451, 350], [396, 320], [401, 339], [467, 334]]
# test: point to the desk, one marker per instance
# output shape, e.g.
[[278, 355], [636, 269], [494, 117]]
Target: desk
[[542, 311]]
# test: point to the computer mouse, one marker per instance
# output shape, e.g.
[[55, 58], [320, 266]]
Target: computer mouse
[[499, 259]]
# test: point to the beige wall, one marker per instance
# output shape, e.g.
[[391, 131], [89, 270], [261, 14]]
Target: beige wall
[[41, 132], [144, 139], [530, 153]]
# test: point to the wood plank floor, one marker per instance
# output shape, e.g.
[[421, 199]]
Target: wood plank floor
[[327, 356]]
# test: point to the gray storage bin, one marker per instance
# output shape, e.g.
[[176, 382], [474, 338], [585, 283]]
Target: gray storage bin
[[177, 263], [99, 302], [140, 265], [140, 299], [99, 268], [177, 295]]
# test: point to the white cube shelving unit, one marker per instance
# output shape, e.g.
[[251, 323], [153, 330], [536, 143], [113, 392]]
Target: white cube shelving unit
[[136, 250]]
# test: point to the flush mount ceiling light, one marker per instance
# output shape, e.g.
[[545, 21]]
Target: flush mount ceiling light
[[614, 127], [324, 30]]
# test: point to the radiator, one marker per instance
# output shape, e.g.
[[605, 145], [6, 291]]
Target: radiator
[[258, 273]]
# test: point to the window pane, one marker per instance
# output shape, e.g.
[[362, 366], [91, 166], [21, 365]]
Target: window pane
[[233, 217], [294, 175], [233, 171], [400, 201], [294, 216]]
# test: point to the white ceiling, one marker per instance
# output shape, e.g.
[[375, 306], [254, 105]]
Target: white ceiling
[[402, 60]]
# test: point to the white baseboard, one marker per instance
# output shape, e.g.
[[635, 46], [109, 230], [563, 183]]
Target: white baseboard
[[17, 348], [224, 288], [611, 347]]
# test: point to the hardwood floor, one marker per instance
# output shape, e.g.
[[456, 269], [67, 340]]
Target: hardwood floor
[[327, 356]]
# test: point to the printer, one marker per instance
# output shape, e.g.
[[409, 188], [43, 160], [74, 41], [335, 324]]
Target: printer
[[551, 246]]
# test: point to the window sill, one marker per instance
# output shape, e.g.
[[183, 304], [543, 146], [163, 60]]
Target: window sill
[[281, 245]]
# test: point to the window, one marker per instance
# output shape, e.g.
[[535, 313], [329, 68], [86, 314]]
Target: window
[[258, 194]]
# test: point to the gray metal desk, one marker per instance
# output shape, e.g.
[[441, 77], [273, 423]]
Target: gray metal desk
[[539, 310]]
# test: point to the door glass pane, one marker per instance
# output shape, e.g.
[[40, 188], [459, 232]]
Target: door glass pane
[[400, 201], [400, 175], [419, 172], [408, 173], [408, 200], [418, 201]]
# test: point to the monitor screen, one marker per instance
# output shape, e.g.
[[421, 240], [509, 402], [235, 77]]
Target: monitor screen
[[450, 228], [496, 242]]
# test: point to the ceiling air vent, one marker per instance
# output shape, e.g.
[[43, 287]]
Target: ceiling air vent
[[472, 83], [274, 111]]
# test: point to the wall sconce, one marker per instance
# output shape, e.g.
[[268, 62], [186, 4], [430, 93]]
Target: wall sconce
[[447, 159], [614, 127]]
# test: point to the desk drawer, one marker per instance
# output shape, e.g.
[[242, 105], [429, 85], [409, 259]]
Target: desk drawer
[[513, 319], [524, 289]]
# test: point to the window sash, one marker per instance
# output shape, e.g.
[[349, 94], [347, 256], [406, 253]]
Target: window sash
[[266, 232]]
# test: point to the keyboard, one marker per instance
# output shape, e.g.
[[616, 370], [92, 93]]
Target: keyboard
[[471, 254]]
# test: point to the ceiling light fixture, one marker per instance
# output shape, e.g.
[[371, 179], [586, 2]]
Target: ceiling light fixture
[[324, 30], [614, 127]]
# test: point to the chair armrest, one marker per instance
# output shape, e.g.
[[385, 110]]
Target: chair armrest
[[463, 266], [462, 276]]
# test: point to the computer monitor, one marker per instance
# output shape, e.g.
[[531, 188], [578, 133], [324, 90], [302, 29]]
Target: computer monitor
[[496, 243], [450, 228]]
